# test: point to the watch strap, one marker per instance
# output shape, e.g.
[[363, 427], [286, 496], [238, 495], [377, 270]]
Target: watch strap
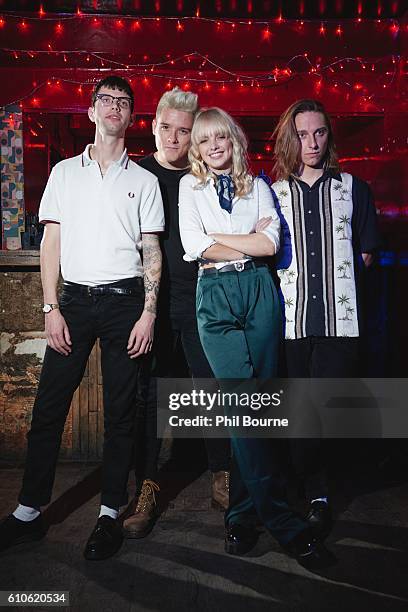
[[48, 307]]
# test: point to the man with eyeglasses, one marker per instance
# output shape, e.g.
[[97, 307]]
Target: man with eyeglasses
[[101, 212]]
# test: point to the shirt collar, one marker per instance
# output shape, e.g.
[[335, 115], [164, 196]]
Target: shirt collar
[[86, 159], [327, 174]]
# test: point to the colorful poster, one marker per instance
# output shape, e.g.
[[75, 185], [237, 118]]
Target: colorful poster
[[12, 176]]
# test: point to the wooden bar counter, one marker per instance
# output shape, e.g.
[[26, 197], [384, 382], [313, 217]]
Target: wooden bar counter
[[22, 347]]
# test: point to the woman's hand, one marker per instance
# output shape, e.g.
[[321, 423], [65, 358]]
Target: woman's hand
[[262, 224]]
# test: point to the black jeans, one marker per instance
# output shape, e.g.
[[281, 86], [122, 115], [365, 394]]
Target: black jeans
[[317, 357], [111, 319], [163, 364]]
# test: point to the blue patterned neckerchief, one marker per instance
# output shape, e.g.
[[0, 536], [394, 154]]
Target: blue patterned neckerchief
[[225, 190]]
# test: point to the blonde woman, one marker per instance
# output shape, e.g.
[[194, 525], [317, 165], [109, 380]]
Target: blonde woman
[[228, 223], [220, 206]]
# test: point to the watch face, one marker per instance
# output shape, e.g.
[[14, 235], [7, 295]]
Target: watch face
[[47, 308]]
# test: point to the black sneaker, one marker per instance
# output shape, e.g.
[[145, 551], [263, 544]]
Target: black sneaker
[[13, 531]]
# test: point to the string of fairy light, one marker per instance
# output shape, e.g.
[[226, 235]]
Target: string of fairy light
[[225, 78], [329, 73], [181, 21], [266, 27]]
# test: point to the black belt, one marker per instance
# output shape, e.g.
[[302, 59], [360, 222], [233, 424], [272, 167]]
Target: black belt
[[132, 287], [238, 266]]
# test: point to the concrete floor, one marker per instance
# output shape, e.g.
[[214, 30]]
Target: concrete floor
[[181, 565]]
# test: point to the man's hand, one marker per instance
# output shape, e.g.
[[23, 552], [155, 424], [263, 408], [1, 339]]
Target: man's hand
[[57, 332], [262, 224], [141, 337]]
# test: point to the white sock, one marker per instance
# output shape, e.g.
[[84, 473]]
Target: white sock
[[106, 511], [25, 513], [322, 499]]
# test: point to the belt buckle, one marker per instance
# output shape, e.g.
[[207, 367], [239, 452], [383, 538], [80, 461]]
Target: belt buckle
[[239, 266]]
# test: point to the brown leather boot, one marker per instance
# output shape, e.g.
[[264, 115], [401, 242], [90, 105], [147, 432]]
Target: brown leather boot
[[220, 490], [142, 521]]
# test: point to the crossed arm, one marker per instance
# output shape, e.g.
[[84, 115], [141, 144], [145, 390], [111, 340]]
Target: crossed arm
[[220, 247], [230, 247]]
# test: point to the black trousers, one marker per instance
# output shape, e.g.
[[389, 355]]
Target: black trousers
[[164, 362], [111, 319], [317, 357]]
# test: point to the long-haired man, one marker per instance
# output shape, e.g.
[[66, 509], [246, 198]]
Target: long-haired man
[[330, 219]]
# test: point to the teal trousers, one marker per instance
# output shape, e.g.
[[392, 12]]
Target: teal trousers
[[239, 323]]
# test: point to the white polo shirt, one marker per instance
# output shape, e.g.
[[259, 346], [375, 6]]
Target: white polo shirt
[[101, 218]]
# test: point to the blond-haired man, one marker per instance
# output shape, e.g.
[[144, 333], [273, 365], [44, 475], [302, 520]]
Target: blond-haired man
[[176, 321]]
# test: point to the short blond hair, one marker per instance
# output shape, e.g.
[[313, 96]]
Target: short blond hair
[[215, 120], [177, 99]]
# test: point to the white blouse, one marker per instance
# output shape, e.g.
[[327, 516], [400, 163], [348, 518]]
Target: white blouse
[[200, 214]]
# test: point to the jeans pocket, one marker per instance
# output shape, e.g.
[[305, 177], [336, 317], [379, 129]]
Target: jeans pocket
[[66, 299], [136, 301]]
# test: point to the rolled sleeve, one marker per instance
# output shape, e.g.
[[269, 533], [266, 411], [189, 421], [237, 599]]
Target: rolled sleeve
[[193, 237], [267, 209]]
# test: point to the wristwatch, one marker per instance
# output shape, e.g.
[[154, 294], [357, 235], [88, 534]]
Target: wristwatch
[[48, 307]]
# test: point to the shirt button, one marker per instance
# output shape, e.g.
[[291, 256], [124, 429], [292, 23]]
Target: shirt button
[[310, 212], [311, 232], [313, 275], [312, 253], [314, 297]]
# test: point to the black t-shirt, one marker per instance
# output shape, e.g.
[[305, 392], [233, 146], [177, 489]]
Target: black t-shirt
[[179, 278]]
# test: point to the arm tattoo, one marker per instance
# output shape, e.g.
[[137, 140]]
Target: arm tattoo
[[152, 265]]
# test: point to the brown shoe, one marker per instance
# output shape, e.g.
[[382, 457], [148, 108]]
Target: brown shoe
[[220, 490], [142, 521]]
